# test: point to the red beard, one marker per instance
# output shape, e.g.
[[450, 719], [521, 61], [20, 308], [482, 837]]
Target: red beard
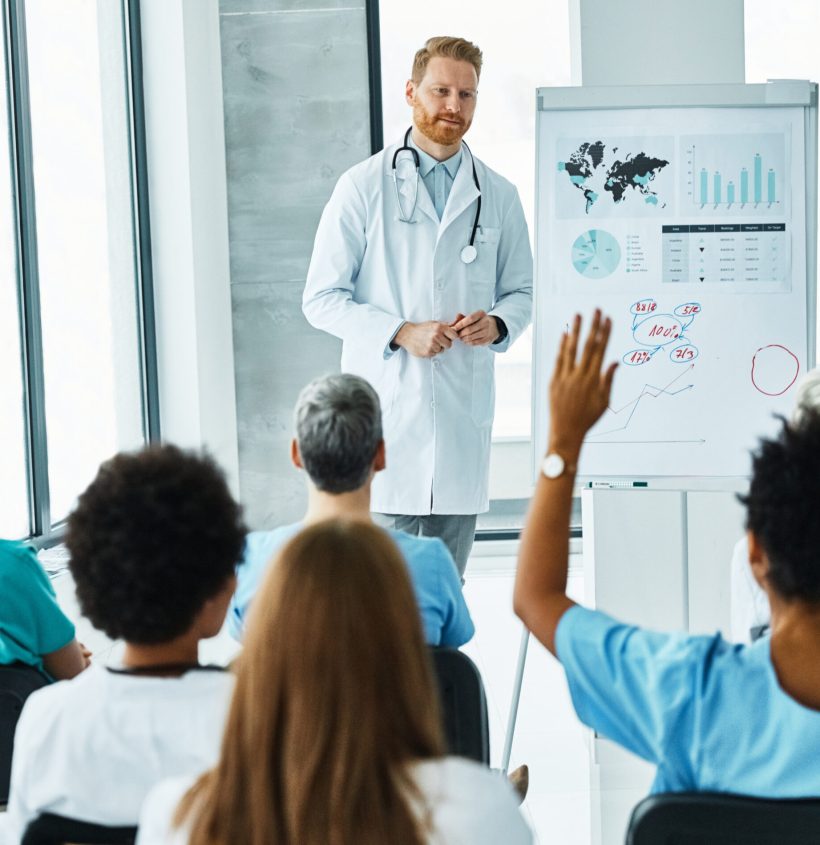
[[436, 130]]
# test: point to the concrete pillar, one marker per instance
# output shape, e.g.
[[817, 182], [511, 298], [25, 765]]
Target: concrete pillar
[[296, 99]]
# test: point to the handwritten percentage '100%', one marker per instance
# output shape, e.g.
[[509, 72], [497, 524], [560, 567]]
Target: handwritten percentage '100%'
[[658, 331]]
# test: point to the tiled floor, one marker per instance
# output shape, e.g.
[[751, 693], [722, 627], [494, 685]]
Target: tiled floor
[[561, 804]]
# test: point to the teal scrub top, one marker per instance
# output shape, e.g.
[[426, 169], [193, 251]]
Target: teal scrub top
[[709, 714], [31, 622]]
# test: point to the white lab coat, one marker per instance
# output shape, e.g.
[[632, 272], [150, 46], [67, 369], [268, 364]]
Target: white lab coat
[[370, 272]]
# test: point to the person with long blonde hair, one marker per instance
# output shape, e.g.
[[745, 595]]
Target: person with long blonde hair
[[334, 735]]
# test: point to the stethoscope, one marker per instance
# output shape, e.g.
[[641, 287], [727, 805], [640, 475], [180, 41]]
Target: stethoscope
[[469, 252]]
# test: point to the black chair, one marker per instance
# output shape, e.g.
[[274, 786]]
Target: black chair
[[710, 818], [17, 682], [464, 704], [51, 829]]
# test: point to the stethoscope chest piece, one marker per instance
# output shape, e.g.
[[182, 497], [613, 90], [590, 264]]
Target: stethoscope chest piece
[[469, 254]]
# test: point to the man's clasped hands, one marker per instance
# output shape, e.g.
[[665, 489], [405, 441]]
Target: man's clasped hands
[[428, 339]]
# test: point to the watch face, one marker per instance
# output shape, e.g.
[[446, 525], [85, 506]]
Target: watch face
[[553, 465]]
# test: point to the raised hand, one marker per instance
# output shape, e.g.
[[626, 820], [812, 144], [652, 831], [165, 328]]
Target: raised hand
[[579, 391]]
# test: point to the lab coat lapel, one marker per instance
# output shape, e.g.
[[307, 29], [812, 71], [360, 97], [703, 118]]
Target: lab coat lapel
[[425, 204], [463, 192], [406, 182]]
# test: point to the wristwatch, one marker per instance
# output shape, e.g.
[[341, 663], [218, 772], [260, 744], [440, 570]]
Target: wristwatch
[[554, 466], [503, 331]]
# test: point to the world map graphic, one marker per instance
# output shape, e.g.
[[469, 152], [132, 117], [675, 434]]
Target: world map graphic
[[596, 170]]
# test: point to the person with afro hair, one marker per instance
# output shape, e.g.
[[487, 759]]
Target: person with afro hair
[[751, 615], [153, 542]]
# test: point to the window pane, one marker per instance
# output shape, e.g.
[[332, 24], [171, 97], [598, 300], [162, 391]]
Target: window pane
[[530, 50], [81, 150], [14, 517]]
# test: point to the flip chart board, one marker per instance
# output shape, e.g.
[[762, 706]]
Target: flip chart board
[[689, 215]]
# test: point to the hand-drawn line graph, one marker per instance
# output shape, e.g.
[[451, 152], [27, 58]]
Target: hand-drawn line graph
[[648, 391]]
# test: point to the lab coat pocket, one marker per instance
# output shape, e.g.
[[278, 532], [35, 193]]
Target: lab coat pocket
[[382, 374], [483, 400], [481, 274], [389, 383]]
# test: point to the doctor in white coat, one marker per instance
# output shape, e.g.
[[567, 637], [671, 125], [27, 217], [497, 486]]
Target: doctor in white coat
[[422, 266]]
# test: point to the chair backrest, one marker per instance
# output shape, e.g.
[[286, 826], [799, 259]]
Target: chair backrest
[[709, 818], [17, 682], [464, 704], [51, 829]]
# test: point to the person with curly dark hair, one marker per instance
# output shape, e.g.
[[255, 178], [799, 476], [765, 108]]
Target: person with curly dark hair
[[751, 615], [154, 542], [711, 715]]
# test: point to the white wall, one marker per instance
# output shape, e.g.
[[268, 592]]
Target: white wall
[[660, 42]]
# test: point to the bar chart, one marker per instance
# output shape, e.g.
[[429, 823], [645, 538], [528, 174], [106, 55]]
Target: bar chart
[[735, 173]]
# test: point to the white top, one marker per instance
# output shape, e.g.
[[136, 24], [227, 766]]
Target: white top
[[469, 805], [749, 603], [91, 748]]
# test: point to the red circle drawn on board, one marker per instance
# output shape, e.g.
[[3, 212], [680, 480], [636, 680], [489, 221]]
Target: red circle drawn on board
[[794, 377]]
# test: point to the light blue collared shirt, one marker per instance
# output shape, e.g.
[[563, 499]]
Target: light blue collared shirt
[[438, 176]]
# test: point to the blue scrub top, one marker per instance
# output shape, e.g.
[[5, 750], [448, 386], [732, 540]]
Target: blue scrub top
[[436, 583], [709, 714]]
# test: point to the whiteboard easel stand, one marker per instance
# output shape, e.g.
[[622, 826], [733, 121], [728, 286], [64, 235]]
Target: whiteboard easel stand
[[690, 519], [516, 697]]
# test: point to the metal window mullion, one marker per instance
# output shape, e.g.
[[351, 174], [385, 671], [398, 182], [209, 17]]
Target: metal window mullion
[[374, 75], [141, 222], [27, 268]]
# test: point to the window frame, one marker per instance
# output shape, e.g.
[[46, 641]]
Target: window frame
[[43, 533], [374, 75]]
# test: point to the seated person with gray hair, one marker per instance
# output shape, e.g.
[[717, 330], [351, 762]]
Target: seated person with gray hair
[[340, 446]]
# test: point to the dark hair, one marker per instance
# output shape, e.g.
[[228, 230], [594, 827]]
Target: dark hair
[[156, 534], [338, 422], [783, 507]]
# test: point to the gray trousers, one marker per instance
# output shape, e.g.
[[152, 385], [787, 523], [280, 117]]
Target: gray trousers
[[456, 530]]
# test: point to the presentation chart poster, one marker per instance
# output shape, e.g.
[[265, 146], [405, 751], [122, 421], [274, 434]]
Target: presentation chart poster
[[692, 237]]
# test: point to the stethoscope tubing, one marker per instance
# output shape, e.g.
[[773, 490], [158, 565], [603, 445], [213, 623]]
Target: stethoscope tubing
[[469, 253]]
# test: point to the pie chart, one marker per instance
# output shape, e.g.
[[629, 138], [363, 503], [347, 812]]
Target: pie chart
[[596, 254]]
